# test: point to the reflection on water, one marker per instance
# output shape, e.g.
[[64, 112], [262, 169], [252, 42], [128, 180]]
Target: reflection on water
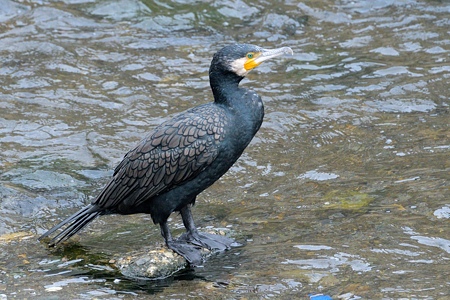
[[344, 191]]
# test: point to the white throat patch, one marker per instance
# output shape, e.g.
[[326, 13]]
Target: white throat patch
[[237, 67]]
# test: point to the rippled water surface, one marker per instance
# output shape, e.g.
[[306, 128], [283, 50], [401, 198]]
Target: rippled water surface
[[344, 190]]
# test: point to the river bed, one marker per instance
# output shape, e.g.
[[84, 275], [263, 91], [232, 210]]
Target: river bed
[[344, 190]]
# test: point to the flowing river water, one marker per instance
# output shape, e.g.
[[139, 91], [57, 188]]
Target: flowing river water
[[344, 191]]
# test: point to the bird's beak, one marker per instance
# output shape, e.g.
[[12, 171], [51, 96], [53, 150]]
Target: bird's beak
[[265, 54]]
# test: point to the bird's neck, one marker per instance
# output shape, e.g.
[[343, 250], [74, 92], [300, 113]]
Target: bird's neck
[[245, 105], [224, 85]]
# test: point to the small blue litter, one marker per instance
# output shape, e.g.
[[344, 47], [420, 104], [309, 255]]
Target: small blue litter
[[319, 297]]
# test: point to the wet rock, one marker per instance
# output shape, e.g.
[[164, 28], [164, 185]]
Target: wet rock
[[151, 263]]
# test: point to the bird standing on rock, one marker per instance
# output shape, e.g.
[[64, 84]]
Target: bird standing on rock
[[183, 156]]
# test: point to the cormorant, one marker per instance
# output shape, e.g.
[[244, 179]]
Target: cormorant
[[183, 156]]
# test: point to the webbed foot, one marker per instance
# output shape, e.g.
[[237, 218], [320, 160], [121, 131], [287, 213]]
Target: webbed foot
[[207, 240], [192, 253]]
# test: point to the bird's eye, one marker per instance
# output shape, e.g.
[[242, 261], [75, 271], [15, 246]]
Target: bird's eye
[[249, 55]]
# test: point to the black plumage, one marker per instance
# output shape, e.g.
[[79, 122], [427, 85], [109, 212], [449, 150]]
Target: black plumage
[[185, 155]]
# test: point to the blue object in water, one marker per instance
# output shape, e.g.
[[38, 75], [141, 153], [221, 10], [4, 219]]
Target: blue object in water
[[319, 297]]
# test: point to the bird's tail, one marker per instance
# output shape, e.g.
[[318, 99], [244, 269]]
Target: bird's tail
[[75, 223]]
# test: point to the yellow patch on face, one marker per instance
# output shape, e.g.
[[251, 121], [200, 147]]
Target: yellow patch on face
[[251, 63]]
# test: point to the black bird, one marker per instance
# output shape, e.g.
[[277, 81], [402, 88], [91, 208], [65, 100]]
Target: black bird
[[183, 156]]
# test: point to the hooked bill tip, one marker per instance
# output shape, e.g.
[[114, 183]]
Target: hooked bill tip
[[287, 50]]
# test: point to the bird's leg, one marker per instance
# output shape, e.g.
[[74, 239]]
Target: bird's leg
[[165, 232], [188, 220], [205, 240], [190, 252]]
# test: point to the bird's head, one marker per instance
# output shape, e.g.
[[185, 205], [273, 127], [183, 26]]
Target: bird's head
[[242, 58]]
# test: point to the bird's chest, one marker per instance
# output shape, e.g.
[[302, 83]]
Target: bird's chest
[[248, 116], [242, 129]]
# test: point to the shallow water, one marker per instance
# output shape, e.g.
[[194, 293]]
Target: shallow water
[[344, 190]]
